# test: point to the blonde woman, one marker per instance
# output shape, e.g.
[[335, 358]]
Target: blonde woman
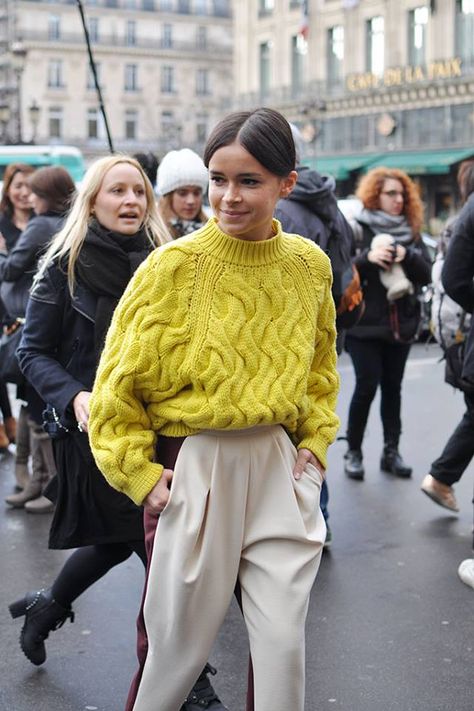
[[112, 227]]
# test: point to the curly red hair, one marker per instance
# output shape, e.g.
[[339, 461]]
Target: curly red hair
[[370, 187]]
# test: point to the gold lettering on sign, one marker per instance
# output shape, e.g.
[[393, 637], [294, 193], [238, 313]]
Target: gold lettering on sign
[[400, 76]]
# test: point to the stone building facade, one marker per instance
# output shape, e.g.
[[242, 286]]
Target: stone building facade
[[164, 67], [369, 82]]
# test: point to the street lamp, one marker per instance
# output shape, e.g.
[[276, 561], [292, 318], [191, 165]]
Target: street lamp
[[34, 111], [18, 53], [5, 114]]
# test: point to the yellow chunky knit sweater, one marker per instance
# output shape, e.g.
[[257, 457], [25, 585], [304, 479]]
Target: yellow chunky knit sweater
[[215, 332]]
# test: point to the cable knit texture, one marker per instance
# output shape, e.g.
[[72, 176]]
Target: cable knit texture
[[215, 332]]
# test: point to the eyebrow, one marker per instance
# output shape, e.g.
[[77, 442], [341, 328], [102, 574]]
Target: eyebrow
[[239, 175]]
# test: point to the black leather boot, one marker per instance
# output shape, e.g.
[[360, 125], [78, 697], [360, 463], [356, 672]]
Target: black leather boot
[[203, 695], [353, 466], [392, 462], [42, 615]]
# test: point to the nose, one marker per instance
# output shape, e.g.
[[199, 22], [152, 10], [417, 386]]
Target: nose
[[130, 196], [232, 193]]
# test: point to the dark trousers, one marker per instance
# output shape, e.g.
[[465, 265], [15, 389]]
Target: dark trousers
[[168, 448], [459, 449], [376, 362]]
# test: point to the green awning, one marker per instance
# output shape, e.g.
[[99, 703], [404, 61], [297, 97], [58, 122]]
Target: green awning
[[422, 162], [340, 166], [412, 162]]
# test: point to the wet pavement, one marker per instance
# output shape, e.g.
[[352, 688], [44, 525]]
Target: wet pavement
[[390, 626]]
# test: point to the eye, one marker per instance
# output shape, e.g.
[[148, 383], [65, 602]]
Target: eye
[[217, 179], [116, 190], [249, 181]]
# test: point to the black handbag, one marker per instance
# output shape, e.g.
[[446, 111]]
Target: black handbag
[[9, 368], [458, 357]]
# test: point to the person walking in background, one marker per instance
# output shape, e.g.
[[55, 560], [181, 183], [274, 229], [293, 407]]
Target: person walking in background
[[112, 227], [52, 190], [15, 211], [311, 210], [457, 277], [182, 182], [380, 343], [458, 452], [231, 333]]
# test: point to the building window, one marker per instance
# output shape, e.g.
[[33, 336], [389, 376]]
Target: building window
[[131, 4], [167, 80], [184, 6], [335, 54], [95, 124], [264, 65], [131, 124], [202, 82], [166, 36], [94, 29], [148, 5], [166, 5], [417, 22], [221, 8], [202, 124], [201, 37], [54, 28], [131, 73], [375, 49], [55, 74], [167, 122], [265, 7], [131, 33], [55, 122], [465, 30], [298, 51], [200, 7], [90, 76]]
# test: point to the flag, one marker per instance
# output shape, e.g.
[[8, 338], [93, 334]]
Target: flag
[[304, 23]]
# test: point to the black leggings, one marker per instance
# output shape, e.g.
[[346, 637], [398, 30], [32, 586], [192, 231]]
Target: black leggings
[[87, 565], [5, 406], [376, 363]]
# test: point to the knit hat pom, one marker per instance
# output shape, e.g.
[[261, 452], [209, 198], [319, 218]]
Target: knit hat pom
[[180, 168]]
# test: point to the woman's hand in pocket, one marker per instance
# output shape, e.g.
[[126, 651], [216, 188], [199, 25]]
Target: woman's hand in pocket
[[305, 456], [160, 494]]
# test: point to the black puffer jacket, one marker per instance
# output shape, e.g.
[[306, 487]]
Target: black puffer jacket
[[311, 209], [376, 320]]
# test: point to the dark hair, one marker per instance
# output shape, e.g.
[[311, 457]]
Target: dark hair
[[149, 163], [55, 186], [6, 205], [264, 133], [466, 179]]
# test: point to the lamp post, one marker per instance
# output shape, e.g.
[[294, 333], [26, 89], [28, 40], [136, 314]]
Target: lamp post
[[18, 53], [5, 114], [34, 112]]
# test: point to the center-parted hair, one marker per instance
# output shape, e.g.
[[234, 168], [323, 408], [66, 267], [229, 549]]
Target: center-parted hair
[[264, 133]]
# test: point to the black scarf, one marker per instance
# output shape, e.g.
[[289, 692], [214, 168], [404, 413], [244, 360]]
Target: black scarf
[[105, 265]]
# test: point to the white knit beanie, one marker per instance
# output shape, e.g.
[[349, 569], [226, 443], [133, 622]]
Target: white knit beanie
[[180, 168]]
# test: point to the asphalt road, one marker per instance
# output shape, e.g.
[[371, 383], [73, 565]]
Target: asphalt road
[[390, 626]]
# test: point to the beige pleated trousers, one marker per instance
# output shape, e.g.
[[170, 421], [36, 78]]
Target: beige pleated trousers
[[235, 511]]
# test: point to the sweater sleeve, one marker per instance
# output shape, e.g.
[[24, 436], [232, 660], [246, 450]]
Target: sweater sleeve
[[319, 427], [120, 431]]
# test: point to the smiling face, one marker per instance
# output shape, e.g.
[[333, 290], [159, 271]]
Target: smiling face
[[19, 192], [121, 203], [243, 193], [186, 202]]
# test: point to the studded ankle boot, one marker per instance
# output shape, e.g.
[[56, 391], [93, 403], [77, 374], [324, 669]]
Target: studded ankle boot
[[202, 695], [42, 615]]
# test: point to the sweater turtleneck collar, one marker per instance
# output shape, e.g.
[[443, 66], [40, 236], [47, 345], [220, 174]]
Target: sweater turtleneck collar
[[241, 251]]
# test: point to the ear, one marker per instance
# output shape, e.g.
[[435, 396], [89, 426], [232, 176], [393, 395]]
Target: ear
[[288, 183]]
